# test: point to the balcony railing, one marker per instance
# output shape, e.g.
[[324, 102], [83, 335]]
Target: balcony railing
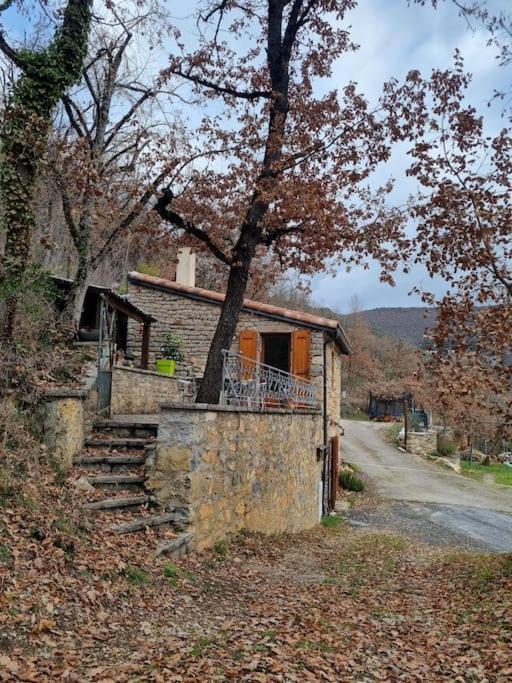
[[245, 382]]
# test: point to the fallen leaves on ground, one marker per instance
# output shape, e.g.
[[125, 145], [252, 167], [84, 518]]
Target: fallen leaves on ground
[[79, 604]]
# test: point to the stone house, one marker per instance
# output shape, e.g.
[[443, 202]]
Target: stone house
[[303, 344]]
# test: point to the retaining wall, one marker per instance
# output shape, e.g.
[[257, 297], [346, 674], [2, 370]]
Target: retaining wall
[[422, 443], [140, 392], [227, 469]]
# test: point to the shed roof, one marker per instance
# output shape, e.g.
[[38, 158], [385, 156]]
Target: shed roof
[[259, 308], [123, 305]]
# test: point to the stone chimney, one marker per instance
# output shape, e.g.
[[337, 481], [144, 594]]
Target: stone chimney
[[186, 267]]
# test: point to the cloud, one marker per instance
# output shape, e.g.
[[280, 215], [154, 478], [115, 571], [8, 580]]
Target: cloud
[[393, 39]]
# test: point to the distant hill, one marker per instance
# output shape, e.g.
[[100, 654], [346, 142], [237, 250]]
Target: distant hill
[[408, 324]]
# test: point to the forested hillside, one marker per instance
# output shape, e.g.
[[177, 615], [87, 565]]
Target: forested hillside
[[408, 324]]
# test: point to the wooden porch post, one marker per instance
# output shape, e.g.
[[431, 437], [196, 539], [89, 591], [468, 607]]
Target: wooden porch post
[[146, 332]]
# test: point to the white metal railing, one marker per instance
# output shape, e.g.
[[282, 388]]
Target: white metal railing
[[246, 382]]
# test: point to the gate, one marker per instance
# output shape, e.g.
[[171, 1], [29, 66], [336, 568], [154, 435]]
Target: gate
[[105, 358]]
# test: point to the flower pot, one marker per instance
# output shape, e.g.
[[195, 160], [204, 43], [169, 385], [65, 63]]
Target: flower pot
[[164, 366]]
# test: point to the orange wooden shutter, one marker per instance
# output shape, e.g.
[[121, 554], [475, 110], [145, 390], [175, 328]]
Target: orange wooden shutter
[[248, 347], [248, 344], [301, 346]]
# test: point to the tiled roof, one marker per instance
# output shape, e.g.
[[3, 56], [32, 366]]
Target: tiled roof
[[307, 319]]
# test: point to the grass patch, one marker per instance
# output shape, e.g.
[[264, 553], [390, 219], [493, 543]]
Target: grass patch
[[136, 575], [65, 526], [332, 521], [392, 432], [201, 645], [480, 571], [350, 481], [5, 554], [445, 447], [502, 474], [368, 558], [311, 645], [221, 547], [330, 581], [172, 573]]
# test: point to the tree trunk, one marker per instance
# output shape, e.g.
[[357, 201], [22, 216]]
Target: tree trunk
[[211, 385]]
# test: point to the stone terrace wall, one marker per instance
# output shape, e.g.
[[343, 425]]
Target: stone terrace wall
[[422, 443], [228, 469], [140, 392], [195, 321]]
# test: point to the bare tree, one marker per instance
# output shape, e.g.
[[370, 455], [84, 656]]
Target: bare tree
[[116, 143]]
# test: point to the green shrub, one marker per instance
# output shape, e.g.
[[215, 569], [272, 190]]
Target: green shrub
[[350, 481], [445, 447]]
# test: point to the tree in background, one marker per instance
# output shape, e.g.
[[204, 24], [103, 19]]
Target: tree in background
[[45, 76], [116, 142], [463, 214], [288, 163]]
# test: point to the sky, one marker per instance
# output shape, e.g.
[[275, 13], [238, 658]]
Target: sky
[[394, 37]]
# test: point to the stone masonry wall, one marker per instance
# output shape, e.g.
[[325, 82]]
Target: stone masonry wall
[[229, 469], [195, 321], [422, 443], [333, 374], [139, 392]]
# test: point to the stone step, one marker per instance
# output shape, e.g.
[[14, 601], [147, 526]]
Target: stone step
[[123, 428], [124, 481], [144, 523], [113, 460], [117, 502], [177, 547], [112, 443]]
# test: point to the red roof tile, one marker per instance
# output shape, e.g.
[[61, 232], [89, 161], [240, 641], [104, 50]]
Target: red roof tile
[[216, 297]]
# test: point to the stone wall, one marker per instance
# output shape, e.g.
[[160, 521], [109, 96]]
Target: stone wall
[[334, 388], [64, 427], [227, 469], [195, 321], [422, 443], [67, 416], [140, 392]]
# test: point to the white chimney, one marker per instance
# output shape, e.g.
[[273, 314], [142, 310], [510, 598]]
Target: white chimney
[[186, 267]]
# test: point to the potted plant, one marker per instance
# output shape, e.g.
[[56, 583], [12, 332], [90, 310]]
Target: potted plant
[[170, 354]]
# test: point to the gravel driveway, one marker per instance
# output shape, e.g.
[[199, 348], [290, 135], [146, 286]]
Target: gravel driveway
[[428, 501]]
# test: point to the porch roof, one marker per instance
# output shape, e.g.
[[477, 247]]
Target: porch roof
[[330, 325]]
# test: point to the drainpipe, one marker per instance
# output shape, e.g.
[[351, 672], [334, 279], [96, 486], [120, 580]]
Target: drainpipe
[[325, 425], [326, 341]]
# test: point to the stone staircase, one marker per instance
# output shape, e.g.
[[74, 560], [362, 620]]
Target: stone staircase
[[111, 468]]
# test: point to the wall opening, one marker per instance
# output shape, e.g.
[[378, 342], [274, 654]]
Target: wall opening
[[276, 349]]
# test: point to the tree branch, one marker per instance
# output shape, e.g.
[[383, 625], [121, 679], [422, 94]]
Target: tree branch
[[77, 122], [128, 219], [113, 132], [225, 90], [10, 53], [274, 235], [163, 210]]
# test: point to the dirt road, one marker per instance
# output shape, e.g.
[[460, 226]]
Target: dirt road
[[431, 502]]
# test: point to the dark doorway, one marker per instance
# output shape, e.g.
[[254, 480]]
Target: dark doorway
[[276, 350]]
